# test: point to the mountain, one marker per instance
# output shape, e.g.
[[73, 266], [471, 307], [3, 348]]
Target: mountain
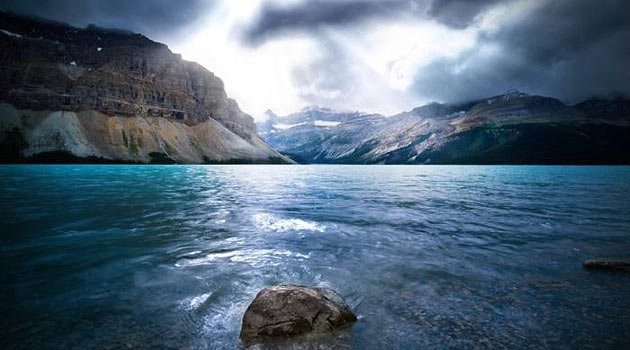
[[512, 128], [616, 108], [69, 94], [319, 135]]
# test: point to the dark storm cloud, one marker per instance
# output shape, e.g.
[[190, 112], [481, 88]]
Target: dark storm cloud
[[150, 17], [314, 14], [570, 49], [561, 28], [457, 13]]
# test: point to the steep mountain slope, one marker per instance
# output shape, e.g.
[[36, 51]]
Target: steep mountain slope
[[513, 128], [68, 93]]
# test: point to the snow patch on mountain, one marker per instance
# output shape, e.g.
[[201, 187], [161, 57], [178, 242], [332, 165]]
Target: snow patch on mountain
[[8, 33], [285, 126], [325, 123]]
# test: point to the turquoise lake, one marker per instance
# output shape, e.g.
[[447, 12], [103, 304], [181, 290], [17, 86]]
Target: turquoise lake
[[428, 256]]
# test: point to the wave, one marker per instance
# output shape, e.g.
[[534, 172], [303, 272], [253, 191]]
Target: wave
[[269, 222], [255, 257], [196, 302]]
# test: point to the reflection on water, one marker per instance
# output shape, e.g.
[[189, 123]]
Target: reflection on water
[[429, 256]]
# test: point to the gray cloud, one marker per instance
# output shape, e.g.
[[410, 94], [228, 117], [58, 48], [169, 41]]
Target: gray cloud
[[156, 18], [457, 13], [339, 79], [332, 75], [314, 14], [571, 49]]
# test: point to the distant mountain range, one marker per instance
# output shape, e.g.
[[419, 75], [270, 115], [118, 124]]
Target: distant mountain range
[[512, 128], [90, 94]]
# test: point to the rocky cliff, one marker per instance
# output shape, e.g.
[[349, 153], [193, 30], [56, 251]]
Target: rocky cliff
[[68, 94], [513, 128]]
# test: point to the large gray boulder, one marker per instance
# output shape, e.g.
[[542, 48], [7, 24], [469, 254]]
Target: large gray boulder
[[289, 310]]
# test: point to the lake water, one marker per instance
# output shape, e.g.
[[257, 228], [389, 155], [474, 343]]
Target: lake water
[[428, 256]]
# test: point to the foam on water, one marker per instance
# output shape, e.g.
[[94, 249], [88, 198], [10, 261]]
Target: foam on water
[[253, 257], [195, 302], [272, 223]]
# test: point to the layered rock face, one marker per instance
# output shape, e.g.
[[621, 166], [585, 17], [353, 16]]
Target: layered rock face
[[513, 128], [114, 95]]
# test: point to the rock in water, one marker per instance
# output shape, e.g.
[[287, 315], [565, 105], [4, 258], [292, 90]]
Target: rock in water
[[608, 264], [289, 310]]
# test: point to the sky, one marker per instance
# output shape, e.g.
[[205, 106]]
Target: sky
[[378, 56]]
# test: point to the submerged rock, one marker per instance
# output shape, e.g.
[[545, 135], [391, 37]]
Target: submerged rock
[[608, 264], [291, 310]]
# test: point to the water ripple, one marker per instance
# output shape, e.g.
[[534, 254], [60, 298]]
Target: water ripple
[[429, 256]]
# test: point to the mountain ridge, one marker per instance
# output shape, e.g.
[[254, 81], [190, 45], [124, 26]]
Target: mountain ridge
[[125, 96], [512, 128]]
